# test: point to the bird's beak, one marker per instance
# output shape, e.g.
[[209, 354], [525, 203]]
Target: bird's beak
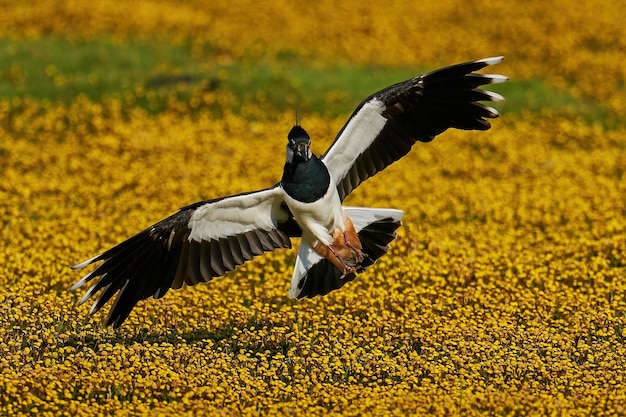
[[302, 150]]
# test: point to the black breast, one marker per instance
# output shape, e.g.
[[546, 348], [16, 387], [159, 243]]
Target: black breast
[[306, 181]]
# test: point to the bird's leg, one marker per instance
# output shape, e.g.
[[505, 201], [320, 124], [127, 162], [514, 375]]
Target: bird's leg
[[340, 263], [345, 251], [352, 241], [337, 253]]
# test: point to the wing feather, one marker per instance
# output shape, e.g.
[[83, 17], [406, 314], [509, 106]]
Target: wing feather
[[244, 245], [235, 251], [194, 245], [255, 244], [205, 261], [227, 257], [193, 266], [388, 123], [181, 271]]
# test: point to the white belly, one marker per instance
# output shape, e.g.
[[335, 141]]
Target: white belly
[[320, 218]]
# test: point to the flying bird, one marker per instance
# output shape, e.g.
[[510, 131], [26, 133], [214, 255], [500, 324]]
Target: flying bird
[[210, 238]]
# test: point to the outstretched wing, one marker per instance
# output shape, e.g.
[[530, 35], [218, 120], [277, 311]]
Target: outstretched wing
[[385, 125], [201, 241]]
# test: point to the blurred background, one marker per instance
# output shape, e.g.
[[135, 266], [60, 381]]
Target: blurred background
[[320, 55]]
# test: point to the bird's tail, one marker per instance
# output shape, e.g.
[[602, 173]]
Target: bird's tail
[[315, 275]]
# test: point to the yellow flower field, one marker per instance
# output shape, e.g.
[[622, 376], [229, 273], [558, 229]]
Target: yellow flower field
[[505, 293]]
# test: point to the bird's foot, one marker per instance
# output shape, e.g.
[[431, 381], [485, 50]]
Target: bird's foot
[[341, 263], [359, 254]]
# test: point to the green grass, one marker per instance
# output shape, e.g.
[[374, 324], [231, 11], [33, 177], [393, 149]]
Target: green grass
[[535, 96], [59, 70]]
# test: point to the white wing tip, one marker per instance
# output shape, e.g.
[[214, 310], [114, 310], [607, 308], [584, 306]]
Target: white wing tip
[[79, 284], [494, 96], [84, 298], [494, 112], [84, 264], [492, 60], [93, 308], [496, 78]]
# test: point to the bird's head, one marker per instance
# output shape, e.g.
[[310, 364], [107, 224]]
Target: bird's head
[[299, 145]]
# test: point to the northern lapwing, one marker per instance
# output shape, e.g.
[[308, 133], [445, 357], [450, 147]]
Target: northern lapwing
[[210, 238]]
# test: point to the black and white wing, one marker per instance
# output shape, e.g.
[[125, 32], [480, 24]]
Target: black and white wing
[[385, 125], [201, 241]]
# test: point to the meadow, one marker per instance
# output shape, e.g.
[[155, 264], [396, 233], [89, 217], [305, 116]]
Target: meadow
[[505, 293]]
